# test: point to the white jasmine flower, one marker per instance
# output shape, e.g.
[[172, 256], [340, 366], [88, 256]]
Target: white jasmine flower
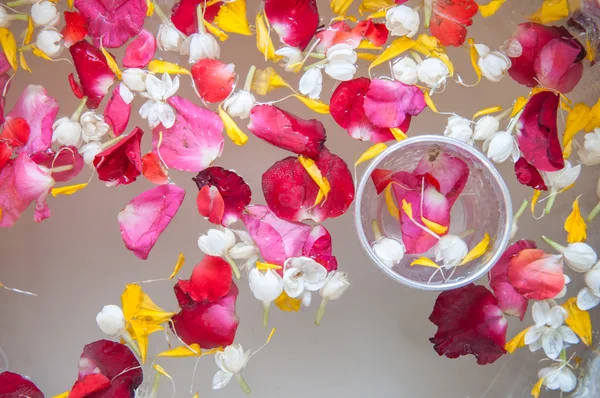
[[134, 79], [501, 146], [240, 104], [231, 362], [335, 286], [563, 292], [486, 127], [156, 109], [589, 296], [493, 64], [341, 60], [93, 126], [67, 132], [200, 45], [451, 250], [311, 83], [169, 38], [558, 376], [405, 71], [44, 13], [402, 21], [460, 129], [111, 320], [433, 72], [266, 287], [217, 242], [89, 151], [548, 332], [291, 56], [49, 41], [302, 275], [389, 250], [580, 256], [590, 153], [563, 178], [244, 250]]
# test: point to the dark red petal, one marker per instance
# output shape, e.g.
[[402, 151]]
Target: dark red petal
[[211, 280], [184, 15], [556, 65], [140, 52], [153, 169], [117, 112], [286, 131], [75, 28], [15, 385], [210, 204], [90, 384], [214, 80], [347, 109], [528, 175], [68, 156], [122, 162], [95, 76], [210, 325], [387, 103], [449, 20], [376, 33], [233, 191], [15, 132], [295, 21], [469, 321], [75, 86], [537, 132], [111, 359], [447, 173]]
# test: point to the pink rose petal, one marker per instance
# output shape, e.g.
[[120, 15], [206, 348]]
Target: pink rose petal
[[147, 215], [286, 131], [449, 171], [140, 52], [15, 385], [213, 79], [557, 66], [122, 162], [117, 112], [295, 21], [535, 274], [276, 239], [39, 110], [67, 156], [319, 247], [95, 76], [194, 141], [5, 154], [113, 21], [387, 103]]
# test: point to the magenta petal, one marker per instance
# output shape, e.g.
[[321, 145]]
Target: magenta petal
[[276, 239], [286, 131], [318, 246], [140, 52], [528, 175], [194, 141], [15, 385], [556, 65], [113, 21], [22, 182], [295, 21], [39, 110], [537, 132], [387, 103], [95, 76], [147, 215], [67, 156], [450, 172], [117, 112]]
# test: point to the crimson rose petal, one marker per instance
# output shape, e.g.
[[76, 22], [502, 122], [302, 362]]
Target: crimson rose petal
[[276, 239], [450, 20], [295, 21], [122, 162], [140, 52], [286, 131], [213, 79], [5, 154], [75, 86], [537, 132], [194, 141], [113, 21], [376, 33], [210, 281], [318, 246], [75, 29], [146, 216], [208, 324], [94, 74], [90, 384], [528, 175], [184, 14], [291, 193], [231, 190], [535, 274], [117, 112], [387, 103], [15, 385], [469, 321], [67, 156]]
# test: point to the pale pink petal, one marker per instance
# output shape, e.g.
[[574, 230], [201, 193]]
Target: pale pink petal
[[39, 110], [338, 32], [511, 302], [536, 275], [117, 112], [556, 65], [194, 141], [147, 215], [140, 52], [387, 103]]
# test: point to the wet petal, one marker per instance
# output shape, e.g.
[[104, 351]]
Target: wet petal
[[338, 33], [376, 33], [387, 103], [90, 384], [110, 359], [295, 21], [15, 132], [535, 274], [450, 172], [184, 14], [75, 28], [210, 280], [140, 52], [318, 247], [214, 80], [95, 75], [122, 162], [118, 111], [450, 19]]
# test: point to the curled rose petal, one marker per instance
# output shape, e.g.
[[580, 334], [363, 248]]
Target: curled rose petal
[[318, 246], [528, 175], [117, 111], [286, 131], [75, 86], [66, 156], [122, 162], [535, 274], [184, 14], [295, 21], [15, 385], [291, 193], [213, 79], [276, 239], [75, 28], [387, 103], [146, 216], [154, 170], [537, 132], [211, 280], [113, 21], [39, 110], [95, 76], [140, 52], [21, 182], [231, 190], [450, 20], [469, 321], [347, 109], [194, 141], [450, 172], [209, 325]]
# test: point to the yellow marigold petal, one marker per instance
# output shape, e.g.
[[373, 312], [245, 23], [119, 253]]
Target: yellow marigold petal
[[267, 266], [150, 5], [377, 14], [263, 40], [140, 334], [435, 227], [112, 64], [590, 50], [288, 304], [579, 321], [519, 105], [577, 119], [161, 371], [487, 111], [534, 200], [368, 6], [270, 336], [407, 208], [390, 203], [537, 388], [234, 133], [30, 30], [9, 47], [366, 56], [489, 9], [429, 102], [314, 173], [232, 18], [397, 47], [182, 352], [178, 265], [157, 66], [478, 251], [425, 262], [474, 58], [267, 80], [23, 62], [314, 104], [516, 342], [594, 117], [398, 134], [340, 7], [70, 4], [66, 393], [215, 31], [68, 190], [551, 11], [575, 225], [39, 53], [367, 45], [370, 153]]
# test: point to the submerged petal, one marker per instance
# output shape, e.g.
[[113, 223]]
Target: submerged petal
[[210, 280]]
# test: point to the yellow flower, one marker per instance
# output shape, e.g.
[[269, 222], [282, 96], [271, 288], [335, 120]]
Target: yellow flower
[[288, 304], [266, 81], [575, 225]]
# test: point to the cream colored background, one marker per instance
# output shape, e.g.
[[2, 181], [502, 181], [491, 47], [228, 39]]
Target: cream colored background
[[373, 341]]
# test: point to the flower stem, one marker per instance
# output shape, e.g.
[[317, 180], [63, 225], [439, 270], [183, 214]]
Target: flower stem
[[556, 246], [163, 18], [266, 308], [321, 311], [504, 114], [317, 55], [19, 17], [550, 203], [60, 169], [513, 123], [242, 382], [428, 11], [154, 392], [234, 267], [131, 343], [249, 78], [200, 14], [18, 3], [594, 213], [113, 141], [77, 114], [319, 63], [376, 229], [519, 212], [416, 57]]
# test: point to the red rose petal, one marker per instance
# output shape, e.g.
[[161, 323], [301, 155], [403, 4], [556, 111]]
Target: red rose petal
[[90, 384], [210, 281], [210, 204], [214, 80], [387, 103], [122, 162], [537, 132], [15, 131], [5, 154], [528, 175], [376, 33], [291, 193], [15, 385], [535, 274], [67, 156], [140, 52], [295, 21], [318, 246], [75, 28], [95, 76], [469, 321], [154, 170], [234, 194], [111, 359], [450, 19], [184, 14], [556, 65], [286, 131], [75, 87], [347, 109], [117, 112]]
